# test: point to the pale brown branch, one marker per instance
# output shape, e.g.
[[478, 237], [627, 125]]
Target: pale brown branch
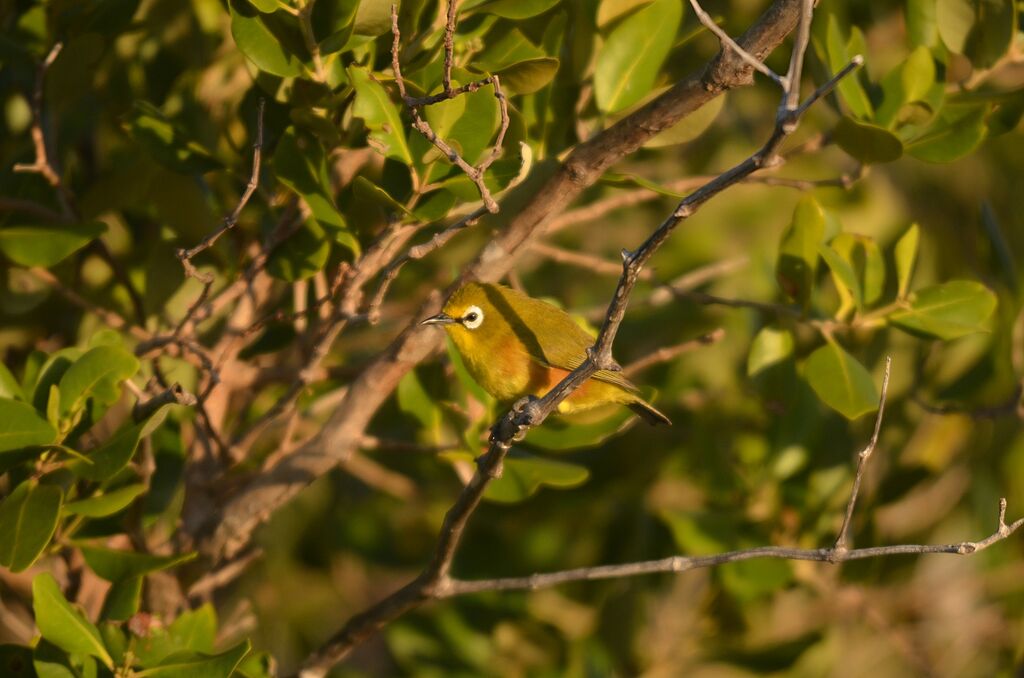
[[582, 260], [727, 42], [678, 564], [546, 196], [435, 578], [44, 165], [862, 461], [668, 353], [174, 394], [475, 173]]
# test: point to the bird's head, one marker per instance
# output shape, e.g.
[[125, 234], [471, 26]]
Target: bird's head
[[469, 310]]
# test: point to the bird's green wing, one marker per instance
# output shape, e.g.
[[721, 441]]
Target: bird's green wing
[[551, 337]]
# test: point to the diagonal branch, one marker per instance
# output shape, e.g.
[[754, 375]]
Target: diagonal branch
[[435, 581], [541, 197]]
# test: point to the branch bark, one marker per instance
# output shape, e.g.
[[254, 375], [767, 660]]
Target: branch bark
[[538, 199]]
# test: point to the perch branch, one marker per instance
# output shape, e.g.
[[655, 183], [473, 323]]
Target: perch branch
[[435, 580], [230, 529]]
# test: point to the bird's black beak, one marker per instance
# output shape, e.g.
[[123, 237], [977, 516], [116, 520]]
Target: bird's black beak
[[439, 319]]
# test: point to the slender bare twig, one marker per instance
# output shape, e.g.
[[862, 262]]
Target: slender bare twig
[[174, 394], [667, 353], [476, 173], [582, 260], [687, 563], [435, 578], [437, 241], [186, 255], [230, 529], [44, 165], [862, 460], [727, 41]]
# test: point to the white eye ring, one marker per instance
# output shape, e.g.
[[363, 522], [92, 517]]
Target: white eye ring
[[472, 318]]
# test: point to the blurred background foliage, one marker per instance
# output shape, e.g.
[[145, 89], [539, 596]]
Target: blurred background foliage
[[893, 229]]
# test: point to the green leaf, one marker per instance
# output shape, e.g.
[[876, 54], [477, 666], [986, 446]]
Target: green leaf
[[97, 374], [62, 624], [193, 664], [302, 255], [528, 76], [28, 518], [113, 455], [797, 262], [517, 9], [414, 400], [905, 255], [849, 88], [770, 346], [47, 245], [690, 127], [300, 164], [611, 10], [845, 280], [921, 25], [105, 504], [122, 600], [373, 17], [953, 135], [631, 180], [50, 373], [505, 47], [372, 104], [841, 382], [21, 426], [169, 145], [114, 565], [371, 192], [947, 311], [865, 258], [9, 386], [259, 44], [192, 631], [870, 144], [630, 60], [265, 6], [525, 473], [981, 30], [911, 81]]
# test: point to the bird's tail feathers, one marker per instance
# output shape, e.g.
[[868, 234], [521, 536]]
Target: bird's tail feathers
[[649, 413]]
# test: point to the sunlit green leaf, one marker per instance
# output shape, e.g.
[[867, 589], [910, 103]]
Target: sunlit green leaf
[[193, 664], [525, 473], [374, 106], [981, 30], [771, 345], [906, 255], [113, 455], [870, 144], [105, 504], [841, 381], [114, 565], [797, 262], [62, 624], [122, 600], [954, 134], [39, 245], [9, 386], [97, 374], [947, 311], [517, 9], [193, 631], [258, 42], [847, 284], [849, 88], [28, 518], [611, 10], [630, 60], [21, 426]]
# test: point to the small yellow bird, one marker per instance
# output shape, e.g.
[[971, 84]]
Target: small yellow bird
[[515, 346]]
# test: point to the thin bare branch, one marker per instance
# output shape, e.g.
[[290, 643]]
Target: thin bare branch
[[174, 394], [474, 172], [862, 461], [44, 164], [435, 578], [727, 42], [669, 353]]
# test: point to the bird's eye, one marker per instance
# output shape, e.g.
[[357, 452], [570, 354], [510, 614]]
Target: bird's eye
[[473, 317]]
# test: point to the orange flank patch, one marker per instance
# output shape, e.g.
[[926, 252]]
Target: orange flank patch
[[592, 393]]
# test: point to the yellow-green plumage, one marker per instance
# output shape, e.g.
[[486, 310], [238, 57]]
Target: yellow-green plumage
[[514, 346]]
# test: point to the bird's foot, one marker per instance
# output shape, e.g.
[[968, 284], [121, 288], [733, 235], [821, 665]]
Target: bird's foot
[[514, 425]]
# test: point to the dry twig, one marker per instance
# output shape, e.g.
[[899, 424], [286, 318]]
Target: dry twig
[[435, 580]]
